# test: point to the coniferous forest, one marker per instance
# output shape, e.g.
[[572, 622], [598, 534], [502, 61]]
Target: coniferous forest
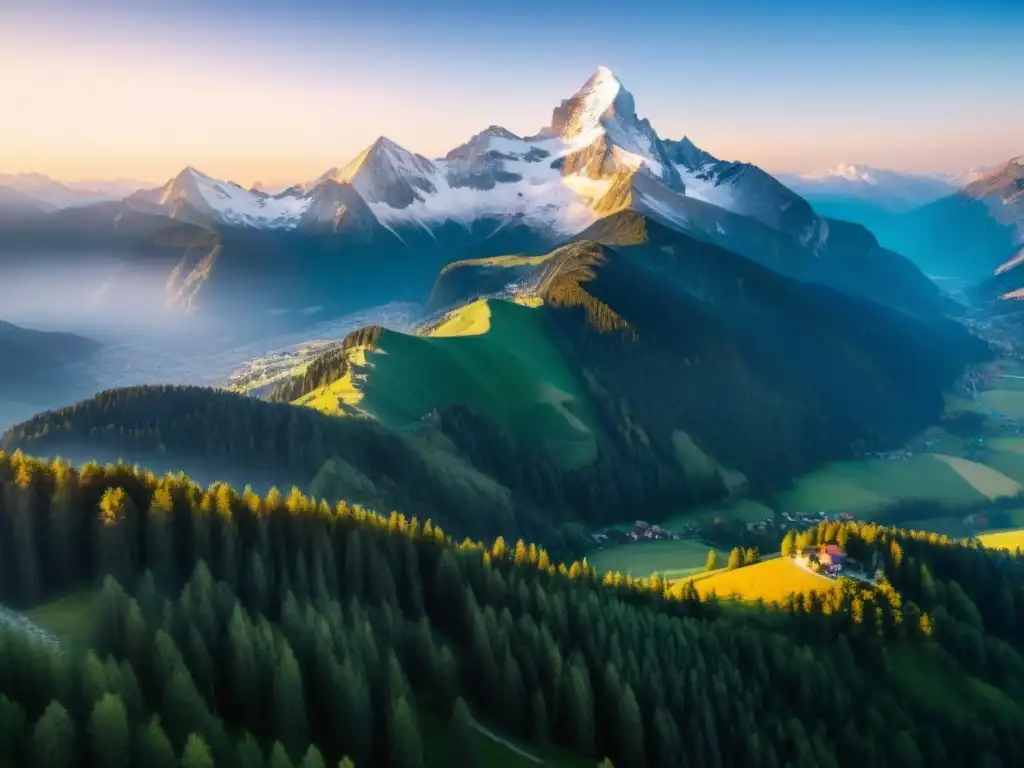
[[231, 629]]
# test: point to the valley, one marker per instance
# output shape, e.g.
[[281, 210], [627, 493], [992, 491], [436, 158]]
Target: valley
[[577, 447]]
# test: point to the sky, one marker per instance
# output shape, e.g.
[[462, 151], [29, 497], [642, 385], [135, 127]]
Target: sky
[[278, 91]]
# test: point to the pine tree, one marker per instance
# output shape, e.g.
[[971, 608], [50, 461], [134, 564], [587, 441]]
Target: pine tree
[[279, 757], [631, 728], [462, 738], [159, 539], [290, 701], [404, 736], [248, 754], [735, 558], [789, 543], [153, 747], [53, 740], [711, 563], [114, 537], [196, 753], [108, 733], [312, 758], [13, 729]]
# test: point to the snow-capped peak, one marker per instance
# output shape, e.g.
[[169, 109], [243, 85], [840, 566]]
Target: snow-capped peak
[[851, 172], [601, 100], [385, 172], [600, 120], [193, 192]]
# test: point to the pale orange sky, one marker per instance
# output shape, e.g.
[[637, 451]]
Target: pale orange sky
[[144, 102]]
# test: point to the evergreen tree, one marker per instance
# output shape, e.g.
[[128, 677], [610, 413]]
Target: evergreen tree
[[53, 740], [735, 558], [247, 753], [153, 748], [462, 738], [711, 563], [404, 736], [109, 734], [289, 701], [312, 758], [196, 753], [279, 756]]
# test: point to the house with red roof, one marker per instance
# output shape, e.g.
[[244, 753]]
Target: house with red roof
[[831, 555]]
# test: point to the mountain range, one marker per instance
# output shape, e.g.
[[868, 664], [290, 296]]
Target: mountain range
[[215, 248], [598, 295], [890, 190], [49, 194]]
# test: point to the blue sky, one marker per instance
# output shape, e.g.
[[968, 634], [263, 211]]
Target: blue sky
[[281, 90]]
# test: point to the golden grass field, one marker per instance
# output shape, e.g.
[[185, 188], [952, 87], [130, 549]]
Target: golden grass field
[[771, 580], [1010, 540]]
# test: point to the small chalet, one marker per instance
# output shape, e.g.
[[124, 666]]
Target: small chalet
[[831, 554]]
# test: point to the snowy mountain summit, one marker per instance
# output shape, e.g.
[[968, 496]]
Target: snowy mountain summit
[[595, 157], [194, 196], [386, 173], [601, 120]]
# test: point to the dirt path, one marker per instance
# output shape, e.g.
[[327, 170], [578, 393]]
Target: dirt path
[[487, 733]]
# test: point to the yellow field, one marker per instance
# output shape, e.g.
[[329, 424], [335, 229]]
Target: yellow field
[[529, 301], [471, 320], [333, 398], [772, 580], [1010, 540]]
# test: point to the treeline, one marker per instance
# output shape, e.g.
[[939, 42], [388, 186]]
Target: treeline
[[254, 627], [212, 434], [326, 368]]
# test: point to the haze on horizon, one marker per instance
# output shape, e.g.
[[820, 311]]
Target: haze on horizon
[[277, 93]]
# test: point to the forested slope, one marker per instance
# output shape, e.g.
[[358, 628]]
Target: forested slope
[[673, 339], [247, 629], [456, 467]]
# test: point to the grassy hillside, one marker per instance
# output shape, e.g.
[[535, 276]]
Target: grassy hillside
[[669, 559], [493, 356]]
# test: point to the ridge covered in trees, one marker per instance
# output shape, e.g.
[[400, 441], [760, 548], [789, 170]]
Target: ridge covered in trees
[[240, 630], [458, 469], [768, 375]]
